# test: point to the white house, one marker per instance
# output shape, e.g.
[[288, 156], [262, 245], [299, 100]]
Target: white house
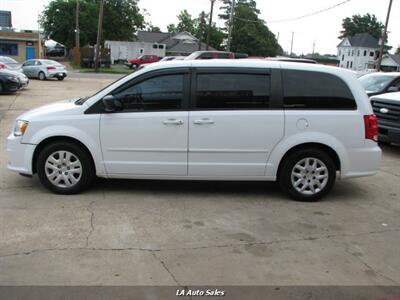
[[358, 52], [390, 63]]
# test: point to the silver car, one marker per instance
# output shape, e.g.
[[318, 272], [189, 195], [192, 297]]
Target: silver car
[[8, 63], [44, 69]]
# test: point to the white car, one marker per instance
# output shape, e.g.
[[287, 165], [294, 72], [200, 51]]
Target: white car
[[296, 123]]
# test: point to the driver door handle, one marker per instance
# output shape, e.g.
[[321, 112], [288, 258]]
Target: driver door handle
[[173, 122], [203, 121]]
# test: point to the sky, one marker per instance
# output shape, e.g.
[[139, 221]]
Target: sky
[[321, 29]]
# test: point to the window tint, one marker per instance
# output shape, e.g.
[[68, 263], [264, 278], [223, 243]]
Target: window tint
[[154, 94], [315, 90], [232, 91], [29, 63]]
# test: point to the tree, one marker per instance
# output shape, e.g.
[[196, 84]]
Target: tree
[[192, 25], [398, 51], [360, 24], [250, 34], [121, 19]]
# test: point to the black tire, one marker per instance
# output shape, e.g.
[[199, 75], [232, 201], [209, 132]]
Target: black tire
[[42, 76], [87, 173], [287, 167], [1, 88], [60, 78]]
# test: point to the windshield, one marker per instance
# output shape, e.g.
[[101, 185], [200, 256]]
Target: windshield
[[375, 82], [8, 60]]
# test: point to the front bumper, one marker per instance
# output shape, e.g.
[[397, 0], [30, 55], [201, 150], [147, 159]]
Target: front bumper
[[389, 134], [19, 155], [11, 86]]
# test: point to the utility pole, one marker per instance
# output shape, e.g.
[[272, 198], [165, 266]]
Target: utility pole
[[313, 48], [40, 39], [201, 29], [383, 38], [210, 23], [99, 29], [291, 44], [77, 25], [228, 48]]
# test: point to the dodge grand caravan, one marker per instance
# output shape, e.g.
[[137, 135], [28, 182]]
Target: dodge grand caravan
[[299, 124]]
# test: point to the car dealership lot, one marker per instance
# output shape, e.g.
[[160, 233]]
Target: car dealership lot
[[191, 233]]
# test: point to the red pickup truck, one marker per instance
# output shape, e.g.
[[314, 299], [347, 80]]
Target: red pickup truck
[[134, 63]]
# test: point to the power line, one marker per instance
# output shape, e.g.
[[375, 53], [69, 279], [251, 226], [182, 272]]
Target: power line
[[311, 14], [297, 18]]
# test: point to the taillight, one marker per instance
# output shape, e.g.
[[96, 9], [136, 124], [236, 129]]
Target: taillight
[[371, 127], [51, 68], [2, 66]]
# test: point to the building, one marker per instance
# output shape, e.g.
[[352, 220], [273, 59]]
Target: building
[[121, 51], [390, 63], [182, 43], [19, 45], [5, 19], [358, 52]]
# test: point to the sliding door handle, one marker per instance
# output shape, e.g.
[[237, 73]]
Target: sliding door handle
[[203, 121], [173, 122]]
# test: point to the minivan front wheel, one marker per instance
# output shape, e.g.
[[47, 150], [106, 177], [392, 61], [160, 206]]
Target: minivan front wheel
[[307, 174], [65, 168]]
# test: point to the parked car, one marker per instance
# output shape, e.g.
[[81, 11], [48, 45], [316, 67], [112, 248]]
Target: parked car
[[10, 64], [44, 69], [134, 63], [210, 55], [380, 83], [299, 124], [9, 82], [170, 58], [292, 59], [387, 108]]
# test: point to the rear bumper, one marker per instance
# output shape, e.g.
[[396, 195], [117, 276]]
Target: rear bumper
[[19, 155], [52, 74], [363, 161]]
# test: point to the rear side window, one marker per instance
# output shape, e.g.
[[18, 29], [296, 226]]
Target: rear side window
[[232, 91], [316, 90]]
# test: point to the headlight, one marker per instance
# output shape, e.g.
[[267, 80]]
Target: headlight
[[20, 127], [12, 78]]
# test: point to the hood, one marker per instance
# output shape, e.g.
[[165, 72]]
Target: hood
[[389, 97], [11, 72], [52, 111]]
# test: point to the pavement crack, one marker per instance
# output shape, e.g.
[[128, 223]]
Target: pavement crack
[[91, 211], [168, 270], [369, 267]]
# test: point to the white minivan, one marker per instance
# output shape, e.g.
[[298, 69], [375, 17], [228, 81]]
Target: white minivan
[[299, 124]]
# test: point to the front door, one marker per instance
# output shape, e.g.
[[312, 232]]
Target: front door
[[30, 53], [150, 135], [232, 129]]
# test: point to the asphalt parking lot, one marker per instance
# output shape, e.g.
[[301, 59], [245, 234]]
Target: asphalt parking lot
[[192, 233]]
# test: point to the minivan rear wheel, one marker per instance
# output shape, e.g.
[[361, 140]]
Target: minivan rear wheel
[[65, 168], [307, 174]]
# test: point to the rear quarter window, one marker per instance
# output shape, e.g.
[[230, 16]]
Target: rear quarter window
[[316, 90]]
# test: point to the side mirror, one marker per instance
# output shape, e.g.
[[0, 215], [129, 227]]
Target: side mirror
[[111, 104], [393, 89]]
